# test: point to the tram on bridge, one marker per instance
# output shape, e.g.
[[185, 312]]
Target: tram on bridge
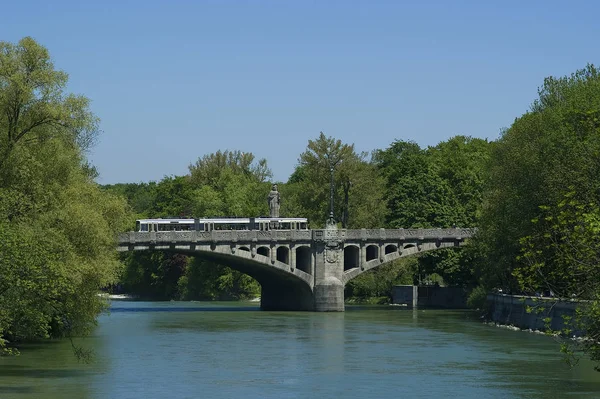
[[209, 224]]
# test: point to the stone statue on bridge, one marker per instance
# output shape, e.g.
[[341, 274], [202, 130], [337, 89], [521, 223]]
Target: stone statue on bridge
[[274, 201]]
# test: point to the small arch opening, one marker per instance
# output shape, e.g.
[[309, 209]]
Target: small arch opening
[[372, 252], [264, 251], [351, 257], [283, 255], [391, 248], [303, 259], [244, 249]]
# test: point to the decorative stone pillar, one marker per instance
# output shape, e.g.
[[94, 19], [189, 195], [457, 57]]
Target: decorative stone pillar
[[329, 269]]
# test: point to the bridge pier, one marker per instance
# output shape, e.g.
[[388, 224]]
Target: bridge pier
[[329, 295], [328, 290]]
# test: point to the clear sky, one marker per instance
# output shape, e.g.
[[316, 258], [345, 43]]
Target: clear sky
[[172, 81]]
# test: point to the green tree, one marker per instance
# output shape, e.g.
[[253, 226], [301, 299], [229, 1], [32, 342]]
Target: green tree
[[33, 104], [549, 151], [57, 227], [440, 186], [358, 188], [538, 224], [230, 183], [140, 196]]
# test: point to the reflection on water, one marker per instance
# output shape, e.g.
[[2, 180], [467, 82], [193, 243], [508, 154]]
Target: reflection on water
[[220, 350]]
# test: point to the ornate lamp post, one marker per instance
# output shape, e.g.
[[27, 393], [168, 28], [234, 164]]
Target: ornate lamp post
[[331, 220]]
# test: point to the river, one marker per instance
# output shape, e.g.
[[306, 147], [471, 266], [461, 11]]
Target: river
[[232, 350]]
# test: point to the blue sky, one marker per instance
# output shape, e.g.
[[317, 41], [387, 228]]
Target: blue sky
[[172, 81]]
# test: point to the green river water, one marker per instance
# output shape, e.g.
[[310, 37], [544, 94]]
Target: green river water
[[233, 350]]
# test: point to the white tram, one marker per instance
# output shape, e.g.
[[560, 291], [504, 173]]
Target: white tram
[[209, 224]]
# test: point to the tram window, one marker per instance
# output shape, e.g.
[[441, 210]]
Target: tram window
[[144, 227]]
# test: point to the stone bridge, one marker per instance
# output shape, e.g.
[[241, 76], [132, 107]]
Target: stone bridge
[[299, 269]]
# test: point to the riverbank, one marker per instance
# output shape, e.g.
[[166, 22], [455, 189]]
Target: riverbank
[[117, 296], [532, 313]]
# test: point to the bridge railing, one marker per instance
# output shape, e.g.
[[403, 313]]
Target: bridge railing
[[299, 236], [163, 237], [404, 234]]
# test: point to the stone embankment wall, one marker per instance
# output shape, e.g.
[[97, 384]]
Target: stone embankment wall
[[530, 313], [429, 297]]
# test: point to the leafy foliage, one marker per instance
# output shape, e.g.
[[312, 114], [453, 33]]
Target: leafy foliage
[[538, 230], [440, 186], [357, 186], [57, 228]]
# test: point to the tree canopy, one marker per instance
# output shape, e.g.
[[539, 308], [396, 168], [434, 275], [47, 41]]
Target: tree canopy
[[539, 225], [57, 227], [357, 186]]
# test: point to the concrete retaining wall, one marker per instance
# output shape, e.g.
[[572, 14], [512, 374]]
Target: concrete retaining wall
[[513, 310], [429, 297]]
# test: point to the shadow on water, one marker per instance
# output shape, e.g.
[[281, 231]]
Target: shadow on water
[[183, 309], [34, 372], [16, 390]]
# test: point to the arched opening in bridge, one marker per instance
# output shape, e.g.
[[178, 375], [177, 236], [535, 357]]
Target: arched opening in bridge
[[410, 249], [264, 251], [351, 257], [391, 248], [283, 255], [245, 249], [303, 258], [372, 252]]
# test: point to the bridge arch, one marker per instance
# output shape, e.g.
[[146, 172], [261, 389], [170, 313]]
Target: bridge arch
[[264, 251], [283, 254], [351, 257], [391, 255], [391, 248], [282, 288], [304, 258], [372, 252]]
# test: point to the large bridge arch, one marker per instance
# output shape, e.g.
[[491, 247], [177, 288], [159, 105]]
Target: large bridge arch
[[282, 287], [393, 252]]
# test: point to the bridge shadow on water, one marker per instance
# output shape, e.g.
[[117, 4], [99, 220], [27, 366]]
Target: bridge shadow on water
[[175, 309], [121, 308]]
